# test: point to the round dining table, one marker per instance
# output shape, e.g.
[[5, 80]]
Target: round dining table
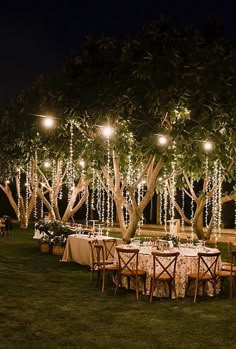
[[187, 263]]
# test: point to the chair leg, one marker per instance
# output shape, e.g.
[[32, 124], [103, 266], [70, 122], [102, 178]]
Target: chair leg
[[118, 283], [136, 287], [151, 289], [196, 292], [103, 280], [144, 285]]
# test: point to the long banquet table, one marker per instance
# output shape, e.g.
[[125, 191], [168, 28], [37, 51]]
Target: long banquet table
[[77, 248], [186, 264]]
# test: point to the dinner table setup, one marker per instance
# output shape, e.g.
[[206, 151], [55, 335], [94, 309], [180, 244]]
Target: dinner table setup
[[187, 264], [77, 248]]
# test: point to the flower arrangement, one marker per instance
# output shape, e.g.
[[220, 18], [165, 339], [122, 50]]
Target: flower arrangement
[[53, 232], [173, 238]]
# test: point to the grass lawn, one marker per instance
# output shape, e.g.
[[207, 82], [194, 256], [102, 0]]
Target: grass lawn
[[48, 304]]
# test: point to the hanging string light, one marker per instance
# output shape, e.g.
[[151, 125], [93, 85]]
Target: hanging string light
[[87, 211], [71, 165], [183, 209], [103, 205], [161, 204], [172, 193], [53, 183], [192, 211], [19, 194], [165, 206], [207, 190], [108, 182], [27, 193], [219, 199], [99, 200], [215, 200], [93, 188], [60, 194], [235, 197], [35, 183]]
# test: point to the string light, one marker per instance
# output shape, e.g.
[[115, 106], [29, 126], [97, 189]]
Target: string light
[[35, 183], [27, 193], [161, 207], [192, 210], [71, 165], [19, 194], [207, 191], [165, 207], [235, 198], [183, 208], [60, 194]]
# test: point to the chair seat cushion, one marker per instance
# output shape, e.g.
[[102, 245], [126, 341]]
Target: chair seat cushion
[[228, 267], [223, 273], [201, 276], [128, 272], [112, 266]]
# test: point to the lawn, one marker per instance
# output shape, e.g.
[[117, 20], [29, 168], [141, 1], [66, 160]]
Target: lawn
[[49, 304]]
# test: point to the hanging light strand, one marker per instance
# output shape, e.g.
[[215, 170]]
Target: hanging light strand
[[108, 182], [235, 197], [71, 165], [192, 210], [19, 195], [183, 209], [219, 198], [165, 206], [35, 183], [207, 190]]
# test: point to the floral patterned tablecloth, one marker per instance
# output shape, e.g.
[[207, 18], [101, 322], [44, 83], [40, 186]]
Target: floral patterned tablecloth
[[186, 264]]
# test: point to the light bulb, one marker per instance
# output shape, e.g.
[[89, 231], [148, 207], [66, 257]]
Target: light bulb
[[107, 131]]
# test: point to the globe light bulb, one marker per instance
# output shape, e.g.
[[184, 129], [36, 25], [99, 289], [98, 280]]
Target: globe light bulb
[[82, 163], [47, 164], [207, 146], [162, 140], [107, 131], [48, 122]]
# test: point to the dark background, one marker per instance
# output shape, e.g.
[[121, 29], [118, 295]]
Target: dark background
[[37, 36]]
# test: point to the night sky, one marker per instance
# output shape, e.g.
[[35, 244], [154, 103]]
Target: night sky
[[37, 36]]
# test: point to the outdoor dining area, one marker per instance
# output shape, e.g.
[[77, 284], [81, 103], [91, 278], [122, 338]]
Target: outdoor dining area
[[152, 266]]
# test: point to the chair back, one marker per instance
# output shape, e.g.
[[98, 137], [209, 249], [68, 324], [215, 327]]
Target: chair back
[[128, 260], [164, 264], [207, 264], [233, 261], [99, 255], [109, 248], [92, 243]]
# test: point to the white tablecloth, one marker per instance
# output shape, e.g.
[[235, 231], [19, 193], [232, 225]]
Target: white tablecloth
[[77, 248]]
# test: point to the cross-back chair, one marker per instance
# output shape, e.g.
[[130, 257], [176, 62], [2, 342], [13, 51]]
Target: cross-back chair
[[128, 267], [206, 272], [109, 248], [94, 265], [103, 266], [228, 272], [164, 270]]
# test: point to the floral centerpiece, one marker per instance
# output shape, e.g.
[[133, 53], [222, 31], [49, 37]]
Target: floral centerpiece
[[173, 238], [54, 233]]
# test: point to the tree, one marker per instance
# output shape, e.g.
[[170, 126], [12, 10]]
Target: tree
[[167, 80]]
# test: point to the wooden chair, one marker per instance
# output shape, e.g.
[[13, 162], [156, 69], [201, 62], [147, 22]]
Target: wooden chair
[[206, 272], [104, 267], [109, 248], [94, 265], [128, 267], [228, 272], [164, 269]]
